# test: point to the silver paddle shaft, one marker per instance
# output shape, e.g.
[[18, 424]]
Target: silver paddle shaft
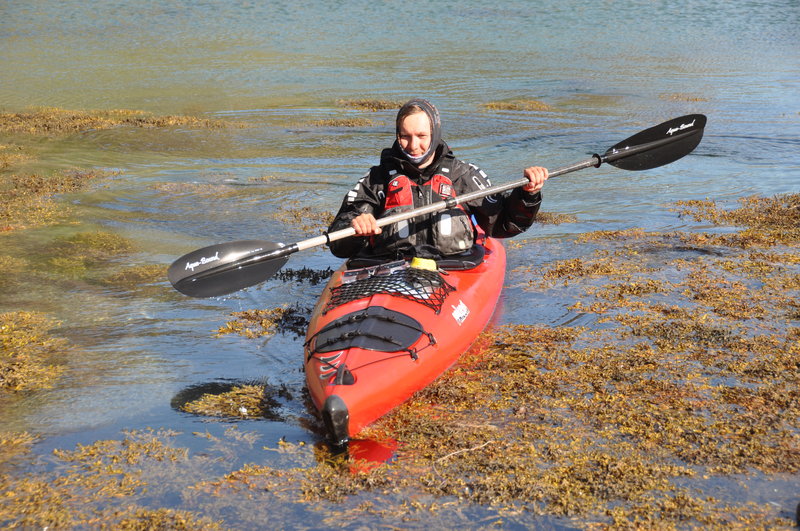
[[441, 205]]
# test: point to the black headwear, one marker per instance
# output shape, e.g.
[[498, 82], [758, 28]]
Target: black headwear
[[436, 127]]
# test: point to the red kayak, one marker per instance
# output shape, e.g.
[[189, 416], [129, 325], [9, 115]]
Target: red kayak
[[382, 331]]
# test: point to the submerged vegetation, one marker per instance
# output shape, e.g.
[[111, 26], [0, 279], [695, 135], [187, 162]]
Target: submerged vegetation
[[30, 200], [11, 155], [97, 486], [304, 275], [682, 97], [343, 122], [76, 254], [692, 376], [766, 222], [53, 120], [366, 104], [307, 219], [241, 401], [28, 351], [32, 357], [683, 387], [261, 323], [517, 105], [136, 276], [553, 218]]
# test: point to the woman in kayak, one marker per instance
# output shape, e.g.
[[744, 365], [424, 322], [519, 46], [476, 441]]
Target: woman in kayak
[[419, 169]]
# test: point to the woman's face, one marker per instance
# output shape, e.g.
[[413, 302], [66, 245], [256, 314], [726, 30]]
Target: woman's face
[[415, 135]]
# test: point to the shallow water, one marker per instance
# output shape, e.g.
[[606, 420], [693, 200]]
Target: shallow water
[[606, 72]]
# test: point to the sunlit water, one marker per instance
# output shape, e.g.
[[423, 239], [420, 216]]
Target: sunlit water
[[607, 71]]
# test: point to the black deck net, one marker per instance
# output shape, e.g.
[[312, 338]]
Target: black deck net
[[397, 279]]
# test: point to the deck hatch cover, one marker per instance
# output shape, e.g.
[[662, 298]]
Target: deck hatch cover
[[374, 328]]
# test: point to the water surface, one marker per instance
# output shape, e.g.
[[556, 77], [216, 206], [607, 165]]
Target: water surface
[[606, 71]]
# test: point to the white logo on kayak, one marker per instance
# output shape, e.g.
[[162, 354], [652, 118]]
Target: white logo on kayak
[[674, 130], [460, 312], [202, 261]]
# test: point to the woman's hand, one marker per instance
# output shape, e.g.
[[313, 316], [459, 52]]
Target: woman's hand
[[536, 176], [365, 225]]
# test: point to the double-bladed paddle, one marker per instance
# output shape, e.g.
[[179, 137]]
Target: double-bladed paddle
[[227, 267]]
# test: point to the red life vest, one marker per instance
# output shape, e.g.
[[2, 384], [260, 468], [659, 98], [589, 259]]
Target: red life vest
[[449, 231]]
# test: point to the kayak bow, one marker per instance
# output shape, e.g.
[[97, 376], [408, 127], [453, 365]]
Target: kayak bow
[[381, 333]]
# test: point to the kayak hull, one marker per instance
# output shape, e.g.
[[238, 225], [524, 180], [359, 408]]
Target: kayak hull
[[370, 352]]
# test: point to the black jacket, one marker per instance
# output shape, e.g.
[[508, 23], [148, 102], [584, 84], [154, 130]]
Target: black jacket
[[500, 215]]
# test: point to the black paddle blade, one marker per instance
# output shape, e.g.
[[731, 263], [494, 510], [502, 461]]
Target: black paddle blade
[[658, 145], [222, 269]]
